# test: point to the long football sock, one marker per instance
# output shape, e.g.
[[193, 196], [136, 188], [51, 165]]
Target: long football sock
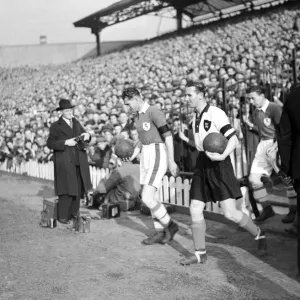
[[247, 223], [198, 231], [161, 214]]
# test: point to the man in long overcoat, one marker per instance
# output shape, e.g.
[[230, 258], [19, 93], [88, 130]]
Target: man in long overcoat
[[289, 147], [71, 168]]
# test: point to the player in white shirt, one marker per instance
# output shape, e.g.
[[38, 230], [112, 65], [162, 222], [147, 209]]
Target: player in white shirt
[[214, 178]]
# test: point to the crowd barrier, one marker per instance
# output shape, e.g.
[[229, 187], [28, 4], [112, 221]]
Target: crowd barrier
[[174, 191]]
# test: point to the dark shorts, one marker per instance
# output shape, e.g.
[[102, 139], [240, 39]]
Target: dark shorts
[[214, 180]]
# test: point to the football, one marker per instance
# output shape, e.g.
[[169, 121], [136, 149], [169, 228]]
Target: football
[[124, 148], [215, 142]]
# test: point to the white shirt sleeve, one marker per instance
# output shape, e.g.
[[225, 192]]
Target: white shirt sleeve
[[222, 123]]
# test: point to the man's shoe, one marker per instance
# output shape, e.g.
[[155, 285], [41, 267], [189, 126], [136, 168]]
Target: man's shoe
[[267, 213], [170, 231], [198, 258], [154, 239], [289, 218], [64, 221], [261, 242]]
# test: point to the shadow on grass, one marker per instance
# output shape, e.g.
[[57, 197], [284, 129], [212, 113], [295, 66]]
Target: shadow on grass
[[248, 280]]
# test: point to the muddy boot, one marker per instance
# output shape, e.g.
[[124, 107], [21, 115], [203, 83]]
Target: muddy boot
[[170, 231], [156, 238], [267, 213], [200, 257]]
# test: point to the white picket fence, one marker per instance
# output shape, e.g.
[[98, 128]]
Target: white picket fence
[[173, 190]]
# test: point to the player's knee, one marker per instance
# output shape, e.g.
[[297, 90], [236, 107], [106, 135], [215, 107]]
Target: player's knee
[[196, 211], [148, 197], [232, 215], [255, 180]]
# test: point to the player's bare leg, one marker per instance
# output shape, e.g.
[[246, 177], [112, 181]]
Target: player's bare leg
[[165, 227], [243, 220], [198, 231]]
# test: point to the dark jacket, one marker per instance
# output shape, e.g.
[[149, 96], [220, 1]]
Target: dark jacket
[[289, 136], [251, 139], [66, 158], [104, 157], [185, 154]]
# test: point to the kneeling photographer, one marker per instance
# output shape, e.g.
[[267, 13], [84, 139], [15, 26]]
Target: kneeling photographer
[[123, 184], [68, 140]]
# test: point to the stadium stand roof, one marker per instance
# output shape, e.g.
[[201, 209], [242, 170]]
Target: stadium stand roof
[[195, 10], [128, 9]]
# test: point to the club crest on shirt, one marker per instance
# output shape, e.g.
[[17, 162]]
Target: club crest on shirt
[[206, 125], [146, 126], [267, 121]]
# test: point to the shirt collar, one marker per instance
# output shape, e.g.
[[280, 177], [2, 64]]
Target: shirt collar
[[265, 106], [144, 108], [205, 109], [67, 120]]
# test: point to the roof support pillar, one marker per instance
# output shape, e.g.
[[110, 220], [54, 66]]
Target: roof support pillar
[[97, 33], [179, 19]]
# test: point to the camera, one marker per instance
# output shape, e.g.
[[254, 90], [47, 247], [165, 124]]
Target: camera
[[81, 143], [94, 199]]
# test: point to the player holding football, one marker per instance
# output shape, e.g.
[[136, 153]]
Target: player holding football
[[157, 155], [214, 178]]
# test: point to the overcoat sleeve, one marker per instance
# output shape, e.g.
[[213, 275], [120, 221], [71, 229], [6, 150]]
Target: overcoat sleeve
[[53, 142]]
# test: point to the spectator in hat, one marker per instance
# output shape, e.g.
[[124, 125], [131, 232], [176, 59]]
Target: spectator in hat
[[71, 169]]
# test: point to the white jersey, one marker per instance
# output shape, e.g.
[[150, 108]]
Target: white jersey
[[211, 119]]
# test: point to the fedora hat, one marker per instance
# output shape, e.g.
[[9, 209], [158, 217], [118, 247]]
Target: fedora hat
[[64, 104]]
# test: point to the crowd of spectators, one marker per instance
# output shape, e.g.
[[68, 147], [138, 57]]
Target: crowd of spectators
[[236, 53]]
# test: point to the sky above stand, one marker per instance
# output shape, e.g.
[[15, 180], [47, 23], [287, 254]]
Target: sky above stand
[[24, 21]]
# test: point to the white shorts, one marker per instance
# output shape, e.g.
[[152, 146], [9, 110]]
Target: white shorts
[[153, 164], [262, 163]]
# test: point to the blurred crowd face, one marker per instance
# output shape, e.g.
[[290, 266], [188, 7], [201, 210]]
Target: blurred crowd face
[[104, 117], [113, 119], [134, 135], [8, 133], [123, 118], [102, 145], [76, 112], [118, 129], [213, 102], [108, 136], [125, 134]]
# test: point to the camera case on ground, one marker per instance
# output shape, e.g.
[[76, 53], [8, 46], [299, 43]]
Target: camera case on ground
[[49, 212]]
